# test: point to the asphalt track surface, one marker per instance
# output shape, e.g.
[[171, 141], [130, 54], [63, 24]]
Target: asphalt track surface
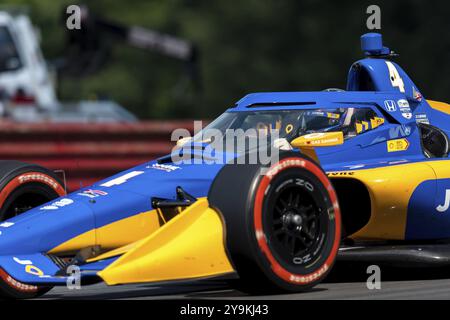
[[345, 282]]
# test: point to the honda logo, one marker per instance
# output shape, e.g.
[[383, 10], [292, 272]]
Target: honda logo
[[390, 105]]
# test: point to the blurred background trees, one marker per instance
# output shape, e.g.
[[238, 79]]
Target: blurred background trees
[[248, 46]]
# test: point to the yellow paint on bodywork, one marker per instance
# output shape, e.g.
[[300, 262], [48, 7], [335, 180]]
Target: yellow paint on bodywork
[[440, 106], [127, 230], [84, 240], [191, 245], [310, 152], [114, 235], [390, 190], [441, 168], [115, 252]]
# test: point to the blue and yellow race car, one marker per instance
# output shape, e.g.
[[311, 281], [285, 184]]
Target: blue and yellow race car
[[356, 174]]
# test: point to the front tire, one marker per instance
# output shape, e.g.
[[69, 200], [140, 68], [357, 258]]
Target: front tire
[[13, 289], [283, 227], [22, 187]]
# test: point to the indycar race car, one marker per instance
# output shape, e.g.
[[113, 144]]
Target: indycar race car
[[361, 174]]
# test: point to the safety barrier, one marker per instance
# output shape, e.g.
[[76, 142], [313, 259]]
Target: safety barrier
[[88, 152]]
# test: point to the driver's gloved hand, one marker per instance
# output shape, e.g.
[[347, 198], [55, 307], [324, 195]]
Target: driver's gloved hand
[[282, 144]]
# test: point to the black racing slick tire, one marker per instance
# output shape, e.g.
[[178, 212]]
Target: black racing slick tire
[[12, 289], [282, 223], [22, 187]]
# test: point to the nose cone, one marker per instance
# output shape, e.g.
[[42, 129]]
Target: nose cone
[[160, 180], [82, 212], [45, 227]]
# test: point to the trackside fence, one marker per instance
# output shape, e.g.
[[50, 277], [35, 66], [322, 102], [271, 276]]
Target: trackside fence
[[87, 152]]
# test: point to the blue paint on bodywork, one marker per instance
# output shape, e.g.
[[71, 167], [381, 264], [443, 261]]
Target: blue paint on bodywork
[[424, 220], [16, 265]]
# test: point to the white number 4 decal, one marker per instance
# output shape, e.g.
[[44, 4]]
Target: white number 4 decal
[[394, 76], [122, 179]]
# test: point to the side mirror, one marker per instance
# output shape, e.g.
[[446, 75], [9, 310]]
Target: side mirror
[[320, 139]]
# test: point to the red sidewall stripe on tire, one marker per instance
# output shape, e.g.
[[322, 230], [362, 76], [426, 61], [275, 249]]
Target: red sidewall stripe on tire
[[279, 270], [17, 285], [30, 177], [17, 181]]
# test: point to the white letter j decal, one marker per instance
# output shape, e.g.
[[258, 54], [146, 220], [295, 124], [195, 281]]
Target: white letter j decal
[[443, 208]]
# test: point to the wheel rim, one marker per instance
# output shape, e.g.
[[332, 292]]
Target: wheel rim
[[296, 225]]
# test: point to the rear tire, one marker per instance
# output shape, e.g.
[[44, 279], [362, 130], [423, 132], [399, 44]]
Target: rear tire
[[283, 227], [22, 187]]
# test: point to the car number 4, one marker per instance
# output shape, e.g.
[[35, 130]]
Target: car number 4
[[446, 205], [394, 76]]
